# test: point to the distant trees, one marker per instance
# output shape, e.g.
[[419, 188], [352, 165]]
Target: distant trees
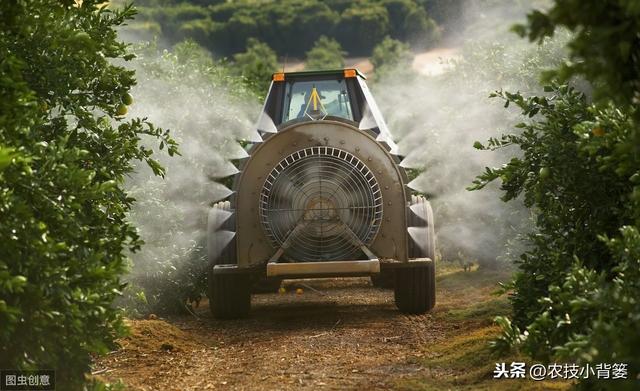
[[410, 22], [257, 64], [325, 54], [398, 10], [361, 28], [420, 30], [290, 27], [445, 12], [390, 53]]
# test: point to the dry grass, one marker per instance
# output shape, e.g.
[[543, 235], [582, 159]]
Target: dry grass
[[463, 360]]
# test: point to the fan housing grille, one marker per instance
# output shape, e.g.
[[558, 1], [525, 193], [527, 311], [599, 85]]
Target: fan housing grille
[[320, 203]]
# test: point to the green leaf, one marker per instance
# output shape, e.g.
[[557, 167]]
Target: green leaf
[[6, 156], [519, 29], [108, 186]]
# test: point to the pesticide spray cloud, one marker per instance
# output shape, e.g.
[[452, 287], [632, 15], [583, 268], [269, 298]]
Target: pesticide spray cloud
[[207, 111], [437, 119]]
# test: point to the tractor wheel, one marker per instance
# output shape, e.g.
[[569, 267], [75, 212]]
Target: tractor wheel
[[415, 287], [385, 279], [414, 293], [229, 294]]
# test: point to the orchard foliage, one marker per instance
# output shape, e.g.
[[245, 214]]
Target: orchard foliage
[[605, 48], [575, 297], [562, 175], [65, 148]]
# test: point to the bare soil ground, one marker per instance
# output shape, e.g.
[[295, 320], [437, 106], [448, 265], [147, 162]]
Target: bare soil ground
[[342, 334], [434, 61]]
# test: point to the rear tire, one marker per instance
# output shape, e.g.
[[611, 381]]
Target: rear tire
[[384, 280], [229, 294], [414, 292], [415, 287]]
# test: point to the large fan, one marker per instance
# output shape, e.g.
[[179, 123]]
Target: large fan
[[321, 204]]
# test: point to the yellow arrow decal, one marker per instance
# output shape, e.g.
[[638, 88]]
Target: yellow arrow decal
[[317, 105], [316, 98]]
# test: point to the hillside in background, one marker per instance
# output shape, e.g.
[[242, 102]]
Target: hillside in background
[[291, 27]]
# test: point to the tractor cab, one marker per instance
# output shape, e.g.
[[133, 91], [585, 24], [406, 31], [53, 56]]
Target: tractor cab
[[318, 95]]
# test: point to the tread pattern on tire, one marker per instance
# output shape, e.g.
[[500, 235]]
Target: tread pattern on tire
[[231, 296], [415, 291], [385, 279]]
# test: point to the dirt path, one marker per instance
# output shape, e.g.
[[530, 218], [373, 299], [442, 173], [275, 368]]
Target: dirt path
[[435, 61], [345, 335]]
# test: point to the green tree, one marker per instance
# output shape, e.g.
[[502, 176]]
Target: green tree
[[239, 32], [569, 174], [445, 12], [398, 11], [561, 162], [420, 30], [361, 28], [65, 149], [199, 30], [605, 48], [300, 26], [574, 298], [390, 54], [257, 64], [325, 54]]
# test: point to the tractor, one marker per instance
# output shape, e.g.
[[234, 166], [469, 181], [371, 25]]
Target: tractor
[[322, 195]]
